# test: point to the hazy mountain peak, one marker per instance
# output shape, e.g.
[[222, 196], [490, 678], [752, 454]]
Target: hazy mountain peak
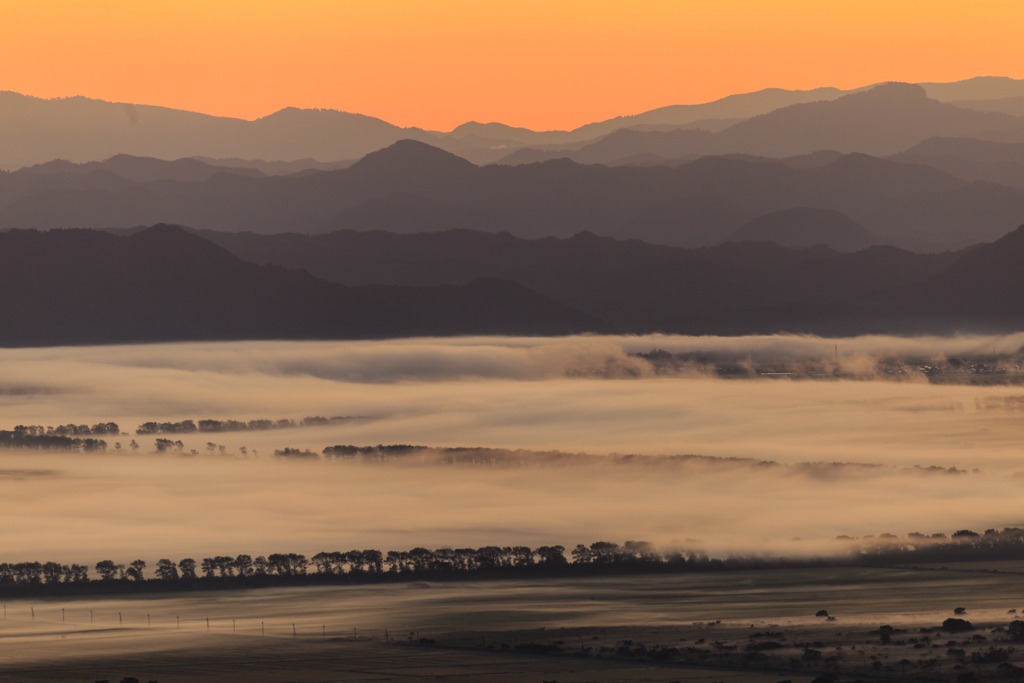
[[412, 155]]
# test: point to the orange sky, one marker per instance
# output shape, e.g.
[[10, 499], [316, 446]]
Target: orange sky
[[537, 63]]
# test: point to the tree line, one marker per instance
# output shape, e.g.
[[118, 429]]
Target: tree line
[[215, 426], [962, 546], [502, 561], [61, 438]]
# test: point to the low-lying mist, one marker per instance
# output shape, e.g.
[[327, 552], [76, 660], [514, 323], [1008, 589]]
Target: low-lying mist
[[816, 459]]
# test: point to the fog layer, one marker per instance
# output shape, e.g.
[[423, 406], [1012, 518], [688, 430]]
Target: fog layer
[[576, 395]]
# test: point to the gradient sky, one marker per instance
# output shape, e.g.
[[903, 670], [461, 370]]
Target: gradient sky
[[534, 63]]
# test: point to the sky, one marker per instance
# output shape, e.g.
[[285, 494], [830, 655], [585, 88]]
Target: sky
[[531, 63]]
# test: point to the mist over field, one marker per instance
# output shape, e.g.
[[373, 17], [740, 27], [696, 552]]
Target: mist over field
[[816, 458]]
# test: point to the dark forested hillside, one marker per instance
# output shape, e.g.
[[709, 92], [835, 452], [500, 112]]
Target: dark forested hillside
[[83, 286], [165, 283], [738, 287]]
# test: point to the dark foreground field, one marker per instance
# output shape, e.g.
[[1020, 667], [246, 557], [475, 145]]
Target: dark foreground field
[[733, 626]]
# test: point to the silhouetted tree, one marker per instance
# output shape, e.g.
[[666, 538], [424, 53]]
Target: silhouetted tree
[[188, 568], [166, 570], [135, 570], [552, 555], [108, 570], [53, 572], [244, 565]]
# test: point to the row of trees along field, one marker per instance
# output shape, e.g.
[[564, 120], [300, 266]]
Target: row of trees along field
[[496, 562], [355, 564]]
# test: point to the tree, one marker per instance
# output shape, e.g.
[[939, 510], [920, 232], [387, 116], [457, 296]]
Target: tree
[[53, 572], [134, 446], [604, 552], [188, 568], [28, 572], [374, 560], [956, 625], [135, 570], [1016, 631], [107, 569], [225, 565], [523, 556], [259, 565], [552, 555], [323, 563], [209, 566], [166, 570], [582, 555], [244, 565]]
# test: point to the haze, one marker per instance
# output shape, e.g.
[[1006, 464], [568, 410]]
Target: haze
[[581, 395]]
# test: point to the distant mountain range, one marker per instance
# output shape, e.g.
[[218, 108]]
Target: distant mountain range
[[883, 120], [164, 283], [734, 288], [78, 129], [161, 284], [412, 187]]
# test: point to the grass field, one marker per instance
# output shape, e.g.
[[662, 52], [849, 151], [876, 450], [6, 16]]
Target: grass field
[[512, 630]]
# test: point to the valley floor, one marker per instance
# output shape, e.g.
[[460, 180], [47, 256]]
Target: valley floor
[[734, 627]]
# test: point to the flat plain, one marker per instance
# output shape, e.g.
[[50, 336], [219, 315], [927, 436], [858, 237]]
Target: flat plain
[[725, 626]]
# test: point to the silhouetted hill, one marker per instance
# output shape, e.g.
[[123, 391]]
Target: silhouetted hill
[[1007, 105], [623, 144], [882, 120], [694, 204], [982, 291], [994, 162], [34, 130], [801, 227], [163, 283], [738, 287], [145, 169], [977, 88]]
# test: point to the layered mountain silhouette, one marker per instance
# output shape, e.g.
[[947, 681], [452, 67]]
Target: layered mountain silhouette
[[994, 162], [163, 283], [34, 130], [78, 129], [410, 187], [883, 120], [738, 287], [802, 227], [166, 283], [145, 169]]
